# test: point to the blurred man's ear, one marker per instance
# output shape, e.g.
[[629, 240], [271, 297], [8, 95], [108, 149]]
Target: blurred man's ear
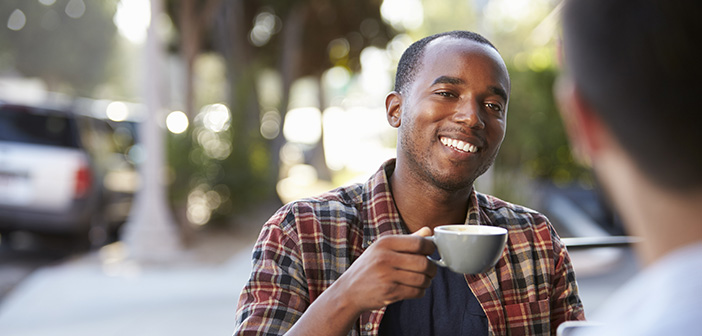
[[584, 127], [393, 101]]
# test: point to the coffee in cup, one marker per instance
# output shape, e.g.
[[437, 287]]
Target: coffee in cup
[[469, 249]]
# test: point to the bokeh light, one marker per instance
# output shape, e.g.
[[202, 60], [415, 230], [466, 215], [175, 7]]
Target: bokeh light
[[270, 125], [337, 77], [403, 15], [216, 117], [203, 200], [75, 9], [177, 122], [17, 20], [362, 150], [117, 111], [510, 15], [338, 49], [303, 125], [375, 74], [132, 19], [198, 212], [213, 145], [266, 25]]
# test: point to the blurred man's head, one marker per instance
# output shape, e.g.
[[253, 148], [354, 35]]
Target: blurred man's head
[[636, 65]]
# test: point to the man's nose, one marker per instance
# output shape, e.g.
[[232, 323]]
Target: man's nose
[[468, 113]]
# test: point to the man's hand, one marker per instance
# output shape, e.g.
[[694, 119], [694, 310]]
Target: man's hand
[[393, 268]]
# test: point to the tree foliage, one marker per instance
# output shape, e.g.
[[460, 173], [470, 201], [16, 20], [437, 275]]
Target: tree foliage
[[298, 43], [66, 45]]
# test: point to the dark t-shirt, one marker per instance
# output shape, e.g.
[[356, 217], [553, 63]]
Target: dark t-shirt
[[448, 308]]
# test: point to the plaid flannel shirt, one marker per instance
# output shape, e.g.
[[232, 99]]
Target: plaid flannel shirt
[[308, 244]]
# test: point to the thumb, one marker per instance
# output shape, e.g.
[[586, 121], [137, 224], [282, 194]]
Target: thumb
[[423, 232]]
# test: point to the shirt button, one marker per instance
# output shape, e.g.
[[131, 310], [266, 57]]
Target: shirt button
[[368, 326]]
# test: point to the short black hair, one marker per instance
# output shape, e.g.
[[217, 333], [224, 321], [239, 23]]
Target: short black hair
[[409, 63], [637, 63]]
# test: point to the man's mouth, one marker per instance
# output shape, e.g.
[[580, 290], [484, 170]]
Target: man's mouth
[[459, 145]]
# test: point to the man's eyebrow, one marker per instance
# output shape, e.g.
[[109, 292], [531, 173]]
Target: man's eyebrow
[[499, 91], [448, 80]]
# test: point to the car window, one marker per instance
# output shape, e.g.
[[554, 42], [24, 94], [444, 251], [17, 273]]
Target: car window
[[37, 126]]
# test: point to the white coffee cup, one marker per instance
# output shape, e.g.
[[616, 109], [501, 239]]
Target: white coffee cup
[[469, 249]]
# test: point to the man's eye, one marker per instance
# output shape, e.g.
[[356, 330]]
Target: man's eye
[[494, 107], [445, 94]]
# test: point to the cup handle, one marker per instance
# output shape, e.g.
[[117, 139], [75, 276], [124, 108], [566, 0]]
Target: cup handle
[[439, 262]]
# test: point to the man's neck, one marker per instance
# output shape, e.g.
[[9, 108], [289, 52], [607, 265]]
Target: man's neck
[[665, 220], [669, 222], [422, 204]]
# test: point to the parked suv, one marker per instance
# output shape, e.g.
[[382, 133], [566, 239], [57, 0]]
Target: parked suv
[[53, 167]]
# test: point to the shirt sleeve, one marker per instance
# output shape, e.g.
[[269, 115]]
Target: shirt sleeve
[[276, 294], [565, 300]]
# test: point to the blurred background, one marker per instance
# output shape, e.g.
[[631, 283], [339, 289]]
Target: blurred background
[[150, 127]]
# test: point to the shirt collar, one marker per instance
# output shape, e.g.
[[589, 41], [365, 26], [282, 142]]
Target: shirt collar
[[382, 217], [473, 215]]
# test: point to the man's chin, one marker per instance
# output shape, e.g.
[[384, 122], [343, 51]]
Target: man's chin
[[452, 184]]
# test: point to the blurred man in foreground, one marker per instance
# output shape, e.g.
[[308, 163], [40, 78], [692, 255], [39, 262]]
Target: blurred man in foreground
[[630, 98], [353, 260]]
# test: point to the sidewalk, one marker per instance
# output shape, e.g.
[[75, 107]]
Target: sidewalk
[[103, 293]]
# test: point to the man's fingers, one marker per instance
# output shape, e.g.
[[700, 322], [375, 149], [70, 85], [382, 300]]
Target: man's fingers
[[423, 232], [413, 279], [413, 243], [418, 263], [407, 285]]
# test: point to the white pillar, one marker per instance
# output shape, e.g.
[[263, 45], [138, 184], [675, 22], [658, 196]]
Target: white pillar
[[150, 233]]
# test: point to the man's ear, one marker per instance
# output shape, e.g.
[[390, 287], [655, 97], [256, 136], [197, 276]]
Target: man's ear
[[587, 133], [393, 102]]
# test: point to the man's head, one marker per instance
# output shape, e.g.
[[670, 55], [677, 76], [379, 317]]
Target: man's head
[[450, 106], [634, 63]]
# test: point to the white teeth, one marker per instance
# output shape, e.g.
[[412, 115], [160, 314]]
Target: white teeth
[[460, 145], [468, 148]]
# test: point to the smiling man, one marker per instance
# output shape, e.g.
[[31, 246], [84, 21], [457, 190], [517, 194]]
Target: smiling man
[[353, 261]]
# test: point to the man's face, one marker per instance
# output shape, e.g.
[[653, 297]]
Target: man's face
[[452, 118]]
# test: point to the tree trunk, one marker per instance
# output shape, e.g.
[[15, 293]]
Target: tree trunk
[[189, 49], [150, 232], [194, 21], [290, 61], [319, 159]]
